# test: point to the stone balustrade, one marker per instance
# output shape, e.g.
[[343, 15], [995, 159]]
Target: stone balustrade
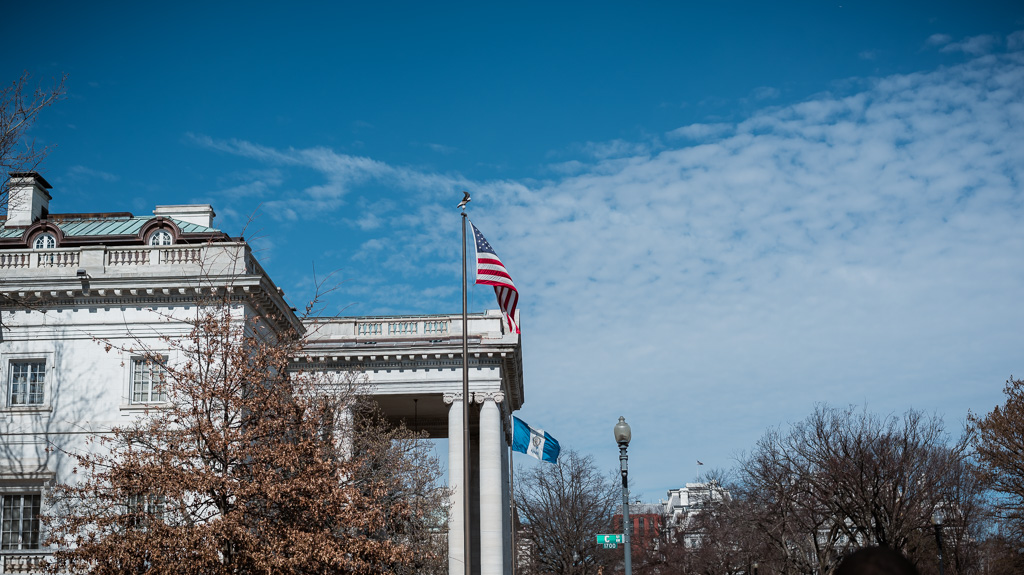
[[425, 329], [22, 561], [230, 257], [403, 327], [25, 259]]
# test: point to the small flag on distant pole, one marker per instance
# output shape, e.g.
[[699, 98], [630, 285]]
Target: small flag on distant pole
[[699, 462], [490, 271], [534, 442]]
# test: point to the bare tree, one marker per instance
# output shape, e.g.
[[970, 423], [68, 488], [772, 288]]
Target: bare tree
[[565, 505], [1000, 450], [248, 467], [843, 479], [779, 506], [19, 107], [726, 541], [381, 449]]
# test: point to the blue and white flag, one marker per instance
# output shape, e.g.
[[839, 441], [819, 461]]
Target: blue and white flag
[[535, 442]]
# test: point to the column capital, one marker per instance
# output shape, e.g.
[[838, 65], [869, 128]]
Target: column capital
[[482, 396], [450, 398]]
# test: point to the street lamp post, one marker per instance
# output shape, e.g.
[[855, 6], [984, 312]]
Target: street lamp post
[[622, 437], [938, 517]]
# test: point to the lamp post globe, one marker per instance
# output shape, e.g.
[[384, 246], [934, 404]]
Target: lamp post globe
[[622, 432], [622, 437]]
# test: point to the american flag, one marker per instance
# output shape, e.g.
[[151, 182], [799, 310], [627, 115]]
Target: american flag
[[490, 271]]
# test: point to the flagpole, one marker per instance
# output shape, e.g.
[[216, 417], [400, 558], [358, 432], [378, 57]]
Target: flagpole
[[465, 404], [512, 501]]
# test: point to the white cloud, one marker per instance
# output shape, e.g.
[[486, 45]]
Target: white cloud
[[341, 171], [863, 248], [614, 149], [369, 221], [567, 168], [766, 93], [701, 131], [253, 183], [442, 149], [848, 250], [974, 46], [84, 173], [1015, 41], [939, 39]]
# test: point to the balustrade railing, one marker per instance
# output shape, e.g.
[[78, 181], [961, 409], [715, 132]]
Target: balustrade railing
[[219, 255], [14, 260], [57, 259], [403, 327], [178, 255], [128, 257], [440, 326], [22, 562], [369, 328]]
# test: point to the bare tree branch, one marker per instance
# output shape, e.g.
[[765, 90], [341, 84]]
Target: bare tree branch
[[19, 108]]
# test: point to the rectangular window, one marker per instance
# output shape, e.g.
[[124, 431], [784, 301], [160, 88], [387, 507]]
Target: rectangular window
[[148, 381], [27, 381], [146, 508], [19, 522]]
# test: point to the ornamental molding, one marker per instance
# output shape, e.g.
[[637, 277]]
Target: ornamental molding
[[361, 360], [266, 300], [450, 398], [481, 396]]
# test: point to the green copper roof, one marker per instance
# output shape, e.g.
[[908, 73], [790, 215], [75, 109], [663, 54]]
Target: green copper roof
[[107, 227]]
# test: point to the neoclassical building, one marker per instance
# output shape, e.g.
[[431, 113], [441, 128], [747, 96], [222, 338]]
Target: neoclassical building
[[67, 280]]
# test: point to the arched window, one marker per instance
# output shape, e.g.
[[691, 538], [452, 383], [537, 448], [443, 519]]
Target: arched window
[[160, 238], [44, 242]]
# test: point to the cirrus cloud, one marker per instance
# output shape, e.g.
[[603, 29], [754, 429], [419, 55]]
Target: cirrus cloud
[[856, 248]]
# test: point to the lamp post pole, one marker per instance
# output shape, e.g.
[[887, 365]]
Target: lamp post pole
[[622, 437], [937, 520]]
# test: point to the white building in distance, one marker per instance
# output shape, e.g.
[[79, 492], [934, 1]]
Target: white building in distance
[[687, 502]]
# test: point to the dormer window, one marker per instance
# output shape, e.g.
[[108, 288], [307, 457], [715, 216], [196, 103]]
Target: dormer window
[[161, 238], [45, 242]]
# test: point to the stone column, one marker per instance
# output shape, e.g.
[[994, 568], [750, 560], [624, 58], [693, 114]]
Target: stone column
[[506, 496], [457, 514], [492, 539]]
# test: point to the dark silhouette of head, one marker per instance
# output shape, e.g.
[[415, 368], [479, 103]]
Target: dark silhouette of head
[[875, 561]]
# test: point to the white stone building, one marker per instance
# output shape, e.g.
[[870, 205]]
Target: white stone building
[[687, 502], [67, 279]]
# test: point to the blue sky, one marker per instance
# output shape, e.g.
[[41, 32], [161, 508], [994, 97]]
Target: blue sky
[[718, 214]]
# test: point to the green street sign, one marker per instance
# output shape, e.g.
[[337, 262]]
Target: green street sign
[[609, 538]]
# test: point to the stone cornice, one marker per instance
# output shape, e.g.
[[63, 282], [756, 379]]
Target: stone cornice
[[88, 281], [366, 362]]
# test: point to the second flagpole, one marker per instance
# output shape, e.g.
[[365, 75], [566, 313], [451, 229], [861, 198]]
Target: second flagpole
[[465, 404]]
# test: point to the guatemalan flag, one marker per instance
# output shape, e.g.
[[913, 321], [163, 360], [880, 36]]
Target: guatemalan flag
[[535, 442], [490, 271]]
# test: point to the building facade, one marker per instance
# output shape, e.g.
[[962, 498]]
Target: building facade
[[686, 503], [69, 281], [648, 524]]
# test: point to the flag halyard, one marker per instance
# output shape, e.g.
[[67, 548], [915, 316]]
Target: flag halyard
[[490, 271]]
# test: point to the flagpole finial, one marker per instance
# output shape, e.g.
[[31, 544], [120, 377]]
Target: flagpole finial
[[465, 200]]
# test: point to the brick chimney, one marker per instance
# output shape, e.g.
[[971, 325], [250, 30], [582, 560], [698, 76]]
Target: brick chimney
[[28, 199]]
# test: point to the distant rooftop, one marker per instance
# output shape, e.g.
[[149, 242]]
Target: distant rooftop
[[111, 224]]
